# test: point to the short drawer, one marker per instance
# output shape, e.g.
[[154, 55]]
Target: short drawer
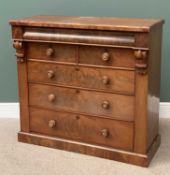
[[70, 99], [83, 128], [52, 52], [101, 79], [101, 56]]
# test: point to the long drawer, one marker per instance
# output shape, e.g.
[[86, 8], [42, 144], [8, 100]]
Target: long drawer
[[109, 80], [82, 128], [95, 103]]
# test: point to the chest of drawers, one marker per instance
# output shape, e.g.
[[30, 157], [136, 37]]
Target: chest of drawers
[[90, 85]]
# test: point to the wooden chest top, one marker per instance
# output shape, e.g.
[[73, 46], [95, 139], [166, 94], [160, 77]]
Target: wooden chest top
[[97, 23]]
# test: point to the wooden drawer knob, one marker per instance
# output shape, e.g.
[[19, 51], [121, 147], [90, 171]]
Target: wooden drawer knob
[[104, 132], [105, 105], [51, 97], [77, 91], [50, 74], [105, 56], [49, 52], [105, 80], [52, 123], [77, 68]]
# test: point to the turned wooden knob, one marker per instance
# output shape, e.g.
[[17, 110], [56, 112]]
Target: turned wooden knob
[[49, 52], [77, 68], [105, 56], [105, 105], [104, 132], [105, 80], [51, 97], [77, 91], [52, 123], [50, 74]]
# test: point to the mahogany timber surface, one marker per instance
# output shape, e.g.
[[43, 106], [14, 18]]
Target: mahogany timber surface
[[119, 81], [89, 149], [83, 128], [99, 23], [62, 52], [82, 101]]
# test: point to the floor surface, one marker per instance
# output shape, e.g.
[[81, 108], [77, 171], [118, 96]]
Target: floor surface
[[25, 159]]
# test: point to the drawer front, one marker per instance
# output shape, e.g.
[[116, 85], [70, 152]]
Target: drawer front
[[70, 99], [100, 79], [82, 128], [115, 57], [52, 52], [80, 36]]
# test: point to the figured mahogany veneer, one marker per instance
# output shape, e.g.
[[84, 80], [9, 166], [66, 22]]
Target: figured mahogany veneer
[[76, 100], [104, 56], [115, 81], [97, 56], [83, 128], [90, 85], [52, 52]]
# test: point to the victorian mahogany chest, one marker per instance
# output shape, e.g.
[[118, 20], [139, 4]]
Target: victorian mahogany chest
[[90, 85]]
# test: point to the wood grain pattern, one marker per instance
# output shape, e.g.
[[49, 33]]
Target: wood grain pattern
[[17, 32], [115, 81], [83, 128], [80, 101], [87, 54], [23, 92], [140, 141], [89, 149], [61, 53], [154, 85], [97, 23], [79, 36], [117, 57]]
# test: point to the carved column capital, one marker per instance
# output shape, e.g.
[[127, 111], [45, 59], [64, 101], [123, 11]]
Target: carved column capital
[[18, 45], [141, 61]]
